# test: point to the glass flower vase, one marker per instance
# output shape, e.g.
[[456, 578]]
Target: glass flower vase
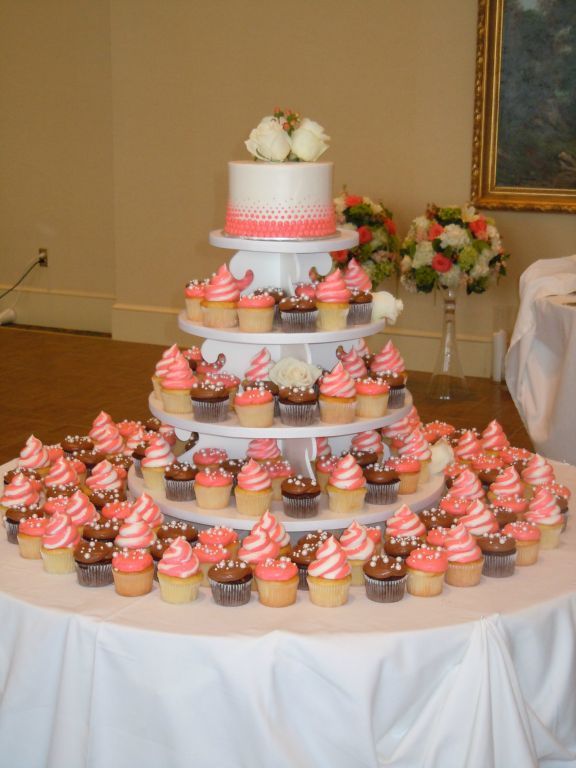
[[448, 381]]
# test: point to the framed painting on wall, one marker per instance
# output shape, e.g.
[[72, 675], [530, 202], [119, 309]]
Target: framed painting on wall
[[524, 150]]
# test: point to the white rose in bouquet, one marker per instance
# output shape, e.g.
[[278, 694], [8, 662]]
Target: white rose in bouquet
[[309, 141], [384, 305], [454, 236], [290, 372], [269, 141]]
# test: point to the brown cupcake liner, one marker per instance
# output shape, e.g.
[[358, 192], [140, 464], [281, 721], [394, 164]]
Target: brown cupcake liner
[[385, 590], [179, 490], [231, 594], [299, 415], [11, 531], [207, 411], [94, 574], [302, 577], [498, 566], [385, 493], [301, 507]]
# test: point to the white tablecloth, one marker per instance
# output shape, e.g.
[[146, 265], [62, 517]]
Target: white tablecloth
[[541, 361], [482, 677]]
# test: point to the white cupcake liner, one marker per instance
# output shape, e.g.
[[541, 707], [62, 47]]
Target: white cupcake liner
[[298, 415], [498, 566], [385, 590], [11, 531], [95, 574], [301, 508], [231, 594], [298, 322], [385, 493], [179, 490], [207, 411]]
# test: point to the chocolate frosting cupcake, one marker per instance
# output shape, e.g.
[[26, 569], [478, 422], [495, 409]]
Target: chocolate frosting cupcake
[[90, 552], [180, 470], [401, 546], [31, 474], [363, 458], [383, 567], [436, 518], [298, 486], [206, 391], [499, 544], [100, 498], [174, 528], [192, 440], [380, 474], [102, 529], [234, 466], [360, 297], [296, 304], [89, 458], [74, 443], [298, 395], [230, 572], [152, 424], [302, 555], [121, 460], [65, 489], [318, 537]]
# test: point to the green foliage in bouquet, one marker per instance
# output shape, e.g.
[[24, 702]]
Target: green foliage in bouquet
[[449, 247], [378, 247]]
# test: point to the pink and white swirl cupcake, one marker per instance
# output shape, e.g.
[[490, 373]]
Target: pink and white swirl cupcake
[[507, 484], [404, 522], [258, 547], [276, 531], [21, 491], [337, 398], [368, 442], [329, 575], [259, 368], [323, 468], [359, 284], [175, 386], [100, 423], [81, 511], [157, 456], [467, 446], [415, 446], [264, 450], [58, 542], [162, 366], [62, 475], [388, 364], [479, 520], [144, 508], [537, 472], [352, 362], [219, 302], [34, 456], [359, 548], [332, 302], [278, 471], [465, 559], [194, 292], [179, 573], [467, 486], [134, 533], [426, 568], [545, 513], [253, 490], [493, 438], [346, 487], [105, 478], [256, 312]]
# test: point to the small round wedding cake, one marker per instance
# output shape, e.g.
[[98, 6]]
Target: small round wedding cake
[[284, 201], [284, 193]]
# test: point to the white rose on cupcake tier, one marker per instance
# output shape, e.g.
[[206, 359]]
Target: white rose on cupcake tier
[[290, 372]]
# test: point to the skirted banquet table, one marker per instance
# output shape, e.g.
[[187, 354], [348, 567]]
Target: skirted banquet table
[[477, 677]]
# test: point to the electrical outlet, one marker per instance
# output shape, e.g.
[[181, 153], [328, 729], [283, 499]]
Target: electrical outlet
[[43, 257]]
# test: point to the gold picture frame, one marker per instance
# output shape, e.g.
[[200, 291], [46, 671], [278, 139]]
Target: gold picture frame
[[519, 162]]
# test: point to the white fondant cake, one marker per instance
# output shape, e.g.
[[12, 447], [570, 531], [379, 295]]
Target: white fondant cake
[[280, 201]]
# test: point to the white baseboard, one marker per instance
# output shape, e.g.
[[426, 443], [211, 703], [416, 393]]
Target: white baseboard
[[158, 325], [75, 310]]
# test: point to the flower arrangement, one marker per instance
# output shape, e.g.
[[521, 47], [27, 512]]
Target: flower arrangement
[[449, 247], [286, 136], [378, 247]]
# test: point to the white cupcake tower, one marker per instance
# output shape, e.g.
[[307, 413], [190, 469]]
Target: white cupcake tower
[[282, 264]]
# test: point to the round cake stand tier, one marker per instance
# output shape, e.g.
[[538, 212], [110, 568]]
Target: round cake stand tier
[[231, 427], [279, 337], [426, 496], [342, 240]]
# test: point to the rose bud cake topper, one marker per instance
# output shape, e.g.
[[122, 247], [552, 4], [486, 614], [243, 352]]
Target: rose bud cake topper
[[286, 136]]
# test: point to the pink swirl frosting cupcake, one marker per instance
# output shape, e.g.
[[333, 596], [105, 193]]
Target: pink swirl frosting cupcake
[[263, 449], [543, 508], [20, 491], [388, 360], [416, 446], [508, 483], [355, 276], [145, 508], [109, 440], [178, 374], [479, 520], [337, 383], [257, 547], [253, 477], [222, 286], [493, 438], [333, 289], [134, 533], [468, 446], [401, 428], [60, 533], [104, 477], [331, 562], [405, 523], [460, 546], [158, 453], [34, 455], [356, 542], [61, 473], [362, 348], [369, 441], [538, 471], [179, 560], [322, 447], [466, 485], [101, 421], [347, 474], [166, 359], [260, 366], [353, 364], [273, 529], [80, 510]]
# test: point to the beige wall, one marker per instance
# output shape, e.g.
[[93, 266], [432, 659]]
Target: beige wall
[[148, 99]]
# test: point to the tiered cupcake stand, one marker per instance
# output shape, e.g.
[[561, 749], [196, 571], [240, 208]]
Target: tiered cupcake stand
[[282, 264]]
